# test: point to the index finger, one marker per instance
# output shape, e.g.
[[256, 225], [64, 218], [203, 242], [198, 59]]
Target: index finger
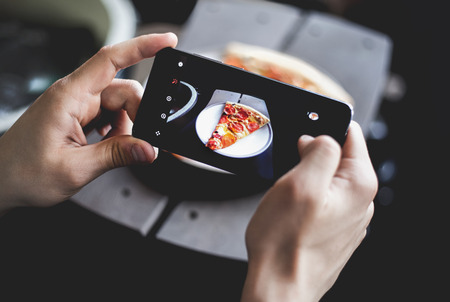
[[98, 72], [356, 166], [355, 145]]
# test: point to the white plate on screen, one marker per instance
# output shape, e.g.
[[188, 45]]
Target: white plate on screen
[[251, 145]]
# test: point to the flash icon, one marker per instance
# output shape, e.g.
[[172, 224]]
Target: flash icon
[[313, 116]]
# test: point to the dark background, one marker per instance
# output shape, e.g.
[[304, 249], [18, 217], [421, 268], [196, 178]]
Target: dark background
[[65, 252]]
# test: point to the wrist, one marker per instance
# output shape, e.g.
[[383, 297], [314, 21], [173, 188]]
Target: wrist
[[272, 281]]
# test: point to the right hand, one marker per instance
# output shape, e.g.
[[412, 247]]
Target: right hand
[[312, 220]]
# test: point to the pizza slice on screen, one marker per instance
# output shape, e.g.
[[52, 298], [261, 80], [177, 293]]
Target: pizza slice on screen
[[236, 122]]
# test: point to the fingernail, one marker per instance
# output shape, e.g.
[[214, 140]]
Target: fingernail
[[138, 154], [156, 152], [306, 138]]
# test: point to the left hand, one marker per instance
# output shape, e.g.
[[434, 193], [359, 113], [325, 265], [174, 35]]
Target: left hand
[[44, 156]]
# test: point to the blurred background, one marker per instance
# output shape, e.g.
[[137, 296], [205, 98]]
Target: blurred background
[[67, 251]]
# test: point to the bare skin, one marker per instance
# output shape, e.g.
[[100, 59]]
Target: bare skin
[[302, 234]]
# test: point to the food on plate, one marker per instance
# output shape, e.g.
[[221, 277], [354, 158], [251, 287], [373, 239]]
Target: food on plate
[[236, 122], [284, 68]]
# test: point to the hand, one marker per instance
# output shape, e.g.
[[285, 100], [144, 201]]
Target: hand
[[44, 156], [309, 224]]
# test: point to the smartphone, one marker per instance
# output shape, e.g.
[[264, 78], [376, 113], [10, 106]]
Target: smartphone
[[185, 96]]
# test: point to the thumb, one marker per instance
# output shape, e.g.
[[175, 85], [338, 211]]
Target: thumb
[[122, 150], [303, 142], [320, 158], [88, 162], [323, 148]]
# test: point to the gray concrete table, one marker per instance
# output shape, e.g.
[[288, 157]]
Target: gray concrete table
[[356, 57]]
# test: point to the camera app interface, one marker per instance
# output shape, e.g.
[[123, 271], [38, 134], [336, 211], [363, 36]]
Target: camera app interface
[[226, 118]]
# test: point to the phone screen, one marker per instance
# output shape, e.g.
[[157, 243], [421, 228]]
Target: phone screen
[[185, 97]]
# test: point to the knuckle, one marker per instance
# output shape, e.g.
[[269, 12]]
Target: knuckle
[[369, 183], [135, 88], [104, 50], [370, 211], [366, 186], [118, 156], [134, 84], [107, 53], [59, 87], [295, 193]]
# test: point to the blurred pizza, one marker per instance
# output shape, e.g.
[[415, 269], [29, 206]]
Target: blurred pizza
[[284, 68]]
